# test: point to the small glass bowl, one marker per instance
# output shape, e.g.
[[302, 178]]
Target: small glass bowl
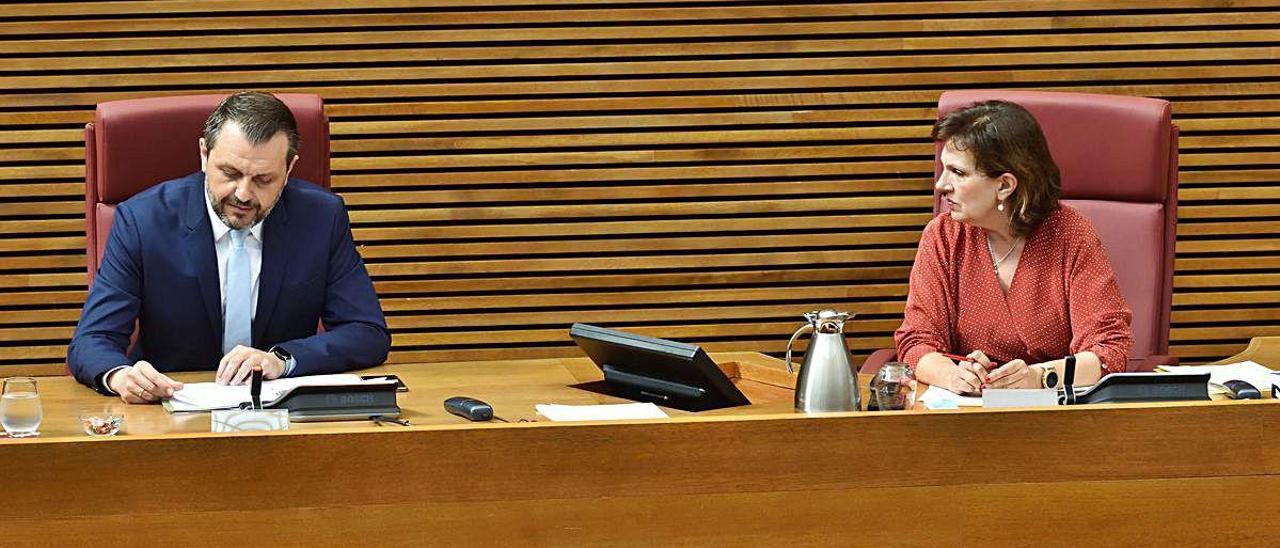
[[101, 425]]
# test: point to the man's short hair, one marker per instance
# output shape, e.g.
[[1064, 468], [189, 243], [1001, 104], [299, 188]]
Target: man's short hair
[[259, 115]]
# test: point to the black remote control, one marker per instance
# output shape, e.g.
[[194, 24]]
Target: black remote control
[[469, 408], [1241, 390]]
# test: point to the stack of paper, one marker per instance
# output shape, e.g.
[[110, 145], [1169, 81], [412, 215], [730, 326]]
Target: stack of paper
[[1253, 373], [205, 396]]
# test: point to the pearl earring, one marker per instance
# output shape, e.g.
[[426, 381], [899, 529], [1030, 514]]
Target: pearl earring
[[1000, 206]]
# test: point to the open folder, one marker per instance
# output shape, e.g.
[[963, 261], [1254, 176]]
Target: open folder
[[207, 396]]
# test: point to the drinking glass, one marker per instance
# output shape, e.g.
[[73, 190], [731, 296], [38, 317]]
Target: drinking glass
[[20, 411], [895, 387]]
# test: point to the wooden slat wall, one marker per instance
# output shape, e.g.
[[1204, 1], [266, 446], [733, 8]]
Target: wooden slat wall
[[699, 170]]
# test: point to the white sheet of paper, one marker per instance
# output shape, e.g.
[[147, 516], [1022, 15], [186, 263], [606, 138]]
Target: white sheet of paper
[[609, 412], [941, 398]]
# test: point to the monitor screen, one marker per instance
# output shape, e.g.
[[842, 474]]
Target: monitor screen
[[664, 372]]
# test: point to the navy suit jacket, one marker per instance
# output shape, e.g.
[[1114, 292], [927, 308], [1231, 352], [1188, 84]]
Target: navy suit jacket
[[160, 267]]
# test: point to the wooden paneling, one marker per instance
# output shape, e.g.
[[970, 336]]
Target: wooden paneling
[[702, 170]]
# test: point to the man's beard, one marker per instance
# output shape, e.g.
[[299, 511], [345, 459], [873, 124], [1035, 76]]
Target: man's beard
[[220, 208]]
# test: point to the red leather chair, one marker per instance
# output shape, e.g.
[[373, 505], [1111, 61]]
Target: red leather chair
[[1119, 162], [136, 143]]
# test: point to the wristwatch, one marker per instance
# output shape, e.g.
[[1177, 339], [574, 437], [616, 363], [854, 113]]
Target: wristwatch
[[285, 357], [1049, 377]]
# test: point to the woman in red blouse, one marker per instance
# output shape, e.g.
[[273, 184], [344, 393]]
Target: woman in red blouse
[[1008, 277]]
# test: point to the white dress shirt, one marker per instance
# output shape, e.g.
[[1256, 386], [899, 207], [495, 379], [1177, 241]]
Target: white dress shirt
[[222, 245], [252, 246]]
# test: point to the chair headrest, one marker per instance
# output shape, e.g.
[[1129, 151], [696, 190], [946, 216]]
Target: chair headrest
[[141, 142], [1107, 147]]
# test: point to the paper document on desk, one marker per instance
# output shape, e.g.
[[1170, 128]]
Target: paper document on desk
[[207, 396], [612, 412], [941, 398], [1253, 373]]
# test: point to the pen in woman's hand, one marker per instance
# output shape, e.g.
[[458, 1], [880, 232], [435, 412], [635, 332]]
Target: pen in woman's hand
[[958, 358]]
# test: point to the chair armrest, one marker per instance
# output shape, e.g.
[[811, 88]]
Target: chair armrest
[[1264, 350], [877, 359]]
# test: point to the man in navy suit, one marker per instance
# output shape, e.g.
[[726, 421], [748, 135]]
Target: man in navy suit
[[229, 268]]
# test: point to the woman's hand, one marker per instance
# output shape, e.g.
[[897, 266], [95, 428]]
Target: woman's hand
[[1014, 374], [968, 377]]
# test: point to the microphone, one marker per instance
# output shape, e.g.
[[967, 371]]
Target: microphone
[[255, 388], [1068, 381]]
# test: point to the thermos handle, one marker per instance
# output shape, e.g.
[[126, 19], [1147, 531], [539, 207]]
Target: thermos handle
[[792, 341]]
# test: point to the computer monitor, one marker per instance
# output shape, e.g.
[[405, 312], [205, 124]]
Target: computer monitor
[[664, 372]]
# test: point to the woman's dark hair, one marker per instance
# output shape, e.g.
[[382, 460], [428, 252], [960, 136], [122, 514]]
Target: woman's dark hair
[[259, 115], [1004, 138]]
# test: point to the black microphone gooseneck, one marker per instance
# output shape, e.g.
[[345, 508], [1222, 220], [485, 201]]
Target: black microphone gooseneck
[[1068, 381]]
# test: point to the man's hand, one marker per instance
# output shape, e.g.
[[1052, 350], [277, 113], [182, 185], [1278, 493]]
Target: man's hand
[[141, 383], [237, 365]]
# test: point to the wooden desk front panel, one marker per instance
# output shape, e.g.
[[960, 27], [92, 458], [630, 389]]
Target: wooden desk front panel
[[1122, 475]]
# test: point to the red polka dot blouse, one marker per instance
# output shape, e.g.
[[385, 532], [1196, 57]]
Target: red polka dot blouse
[[1063, 298]]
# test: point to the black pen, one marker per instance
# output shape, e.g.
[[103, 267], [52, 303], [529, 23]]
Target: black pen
[[255, 388]]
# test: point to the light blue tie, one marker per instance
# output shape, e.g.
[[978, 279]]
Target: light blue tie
[[237, 323]]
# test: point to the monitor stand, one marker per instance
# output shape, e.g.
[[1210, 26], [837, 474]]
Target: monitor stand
[[762, 385]]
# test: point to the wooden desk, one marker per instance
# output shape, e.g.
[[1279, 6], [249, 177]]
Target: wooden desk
[[512, 387], [1182, 474]]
